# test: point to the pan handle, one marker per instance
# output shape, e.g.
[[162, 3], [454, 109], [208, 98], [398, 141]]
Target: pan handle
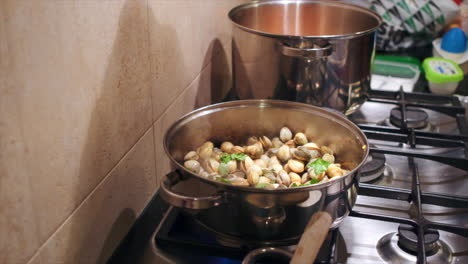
[[184, 201], [306, 52]]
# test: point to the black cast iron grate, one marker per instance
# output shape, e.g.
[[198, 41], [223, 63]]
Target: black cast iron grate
[[444, 104]]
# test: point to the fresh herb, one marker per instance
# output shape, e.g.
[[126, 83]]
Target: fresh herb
[[238, 156], [223, 169], [225, 158], [221, 179], [295, 185], [261, 185], [319, 166], [311, 182]]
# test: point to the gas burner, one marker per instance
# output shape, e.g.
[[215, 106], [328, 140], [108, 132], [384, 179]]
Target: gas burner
[[416, 118], [390, 250], [408, 239], [373, 168]]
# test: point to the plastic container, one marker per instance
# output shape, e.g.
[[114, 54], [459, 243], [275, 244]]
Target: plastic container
[[451, 46], [443, 75], [389, 73]]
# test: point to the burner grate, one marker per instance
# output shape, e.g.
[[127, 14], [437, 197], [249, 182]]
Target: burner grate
[[447, 105]]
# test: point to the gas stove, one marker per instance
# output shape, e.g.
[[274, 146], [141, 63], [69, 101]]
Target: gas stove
[[413, 195]]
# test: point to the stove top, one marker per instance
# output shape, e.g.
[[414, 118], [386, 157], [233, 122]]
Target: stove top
[[413, 195]]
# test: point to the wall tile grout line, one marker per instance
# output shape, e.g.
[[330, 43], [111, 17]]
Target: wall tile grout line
[[152, 74], [184, 90], [89, 194]]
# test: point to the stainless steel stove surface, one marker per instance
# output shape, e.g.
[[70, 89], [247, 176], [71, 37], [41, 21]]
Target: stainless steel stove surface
[[414, 188]]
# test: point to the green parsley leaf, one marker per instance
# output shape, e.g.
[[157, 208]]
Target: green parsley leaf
[[221, 179], [225, 158], [319, 166], [295, 185], [311, 182], [238, 156], [261, 185]]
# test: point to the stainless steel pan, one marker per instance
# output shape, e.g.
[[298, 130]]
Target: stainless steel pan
[[260, 216]]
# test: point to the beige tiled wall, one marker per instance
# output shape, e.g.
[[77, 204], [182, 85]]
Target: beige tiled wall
[[87, 89]]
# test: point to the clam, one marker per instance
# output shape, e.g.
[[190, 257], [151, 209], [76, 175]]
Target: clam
[[223, 169], [263, 179], [232, 165], [256, 169], [301, 154], [272, 186], [328, 157], [283, 178], [255, 151], [277, 167], [266, 142], [240, 182], [227, 146], [217, 150], [276, 142], [265, 158], [312, 174], [253, 177], [311, 146], [203, 173], [295, 178], [272, 152], [314, 154], [333, 171], [261, 163], [238, 174], [305, 177], [237, 149], [212, 176], [290, 143], [285, 134], [211, 165], [273, 160], [300, 138], [192, 155], [270, 174], [217, 155], [283, 153], [326, 149], [230, 177], [296, 166], [246, 164], [205, 150], [252, 140], [192, 165]]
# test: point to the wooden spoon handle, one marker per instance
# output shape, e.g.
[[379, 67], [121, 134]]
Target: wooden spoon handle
[[312, 239]]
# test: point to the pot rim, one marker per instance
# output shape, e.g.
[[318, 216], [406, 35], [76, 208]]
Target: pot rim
[[279, 36], [265, 103]]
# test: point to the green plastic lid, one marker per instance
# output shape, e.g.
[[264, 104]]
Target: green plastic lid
[[439, 70]]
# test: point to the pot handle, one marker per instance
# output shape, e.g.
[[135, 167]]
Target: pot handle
[[183, 201], [310, 53]]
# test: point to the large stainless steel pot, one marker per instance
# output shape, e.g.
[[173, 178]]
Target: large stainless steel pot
[[317, 52], [258, 215]]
